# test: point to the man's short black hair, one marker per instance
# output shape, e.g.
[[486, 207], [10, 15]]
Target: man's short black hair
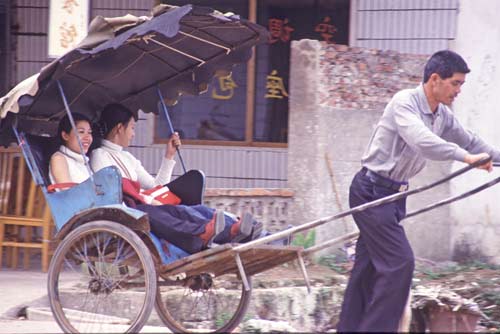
[[445, 63]]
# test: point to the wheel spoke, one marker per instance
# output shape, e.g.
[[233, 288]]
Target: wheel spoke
[[203, 303], [88, 276]]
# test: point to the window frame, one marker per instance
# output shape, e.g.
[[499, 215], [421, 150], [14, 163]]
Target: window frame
[[250, 101]]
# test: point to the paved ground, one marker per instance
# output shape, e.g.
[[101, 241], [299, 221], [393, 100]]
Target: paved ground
[[19, 289]]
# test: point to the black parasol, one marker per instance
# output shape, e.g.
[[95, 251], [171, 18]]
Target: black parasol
[[131, 60]]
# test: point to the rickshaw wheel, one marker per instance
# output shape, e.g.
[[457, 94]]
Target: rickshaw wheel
[[101, 279], [203, 303]]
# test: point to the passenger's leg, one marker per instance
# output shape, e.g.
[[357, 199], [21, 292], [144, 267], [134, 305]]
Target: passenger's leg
[[235, 229], [179, 224]]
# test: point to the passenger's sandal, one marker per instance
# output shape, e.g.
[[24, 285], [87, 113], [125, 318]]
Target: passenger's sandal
[[245, 228], [220, 223]]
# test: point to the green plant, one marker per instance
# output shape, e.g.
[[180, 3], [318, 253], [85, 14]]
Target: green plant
[[492, 297], [433, 275], [481, 265], [222, 319], [306, 241], [334, 262]]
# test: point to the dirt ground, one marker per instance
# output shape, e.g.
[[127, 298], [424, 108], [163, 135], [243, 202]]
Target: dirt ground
[[290, 274], [478, 282]]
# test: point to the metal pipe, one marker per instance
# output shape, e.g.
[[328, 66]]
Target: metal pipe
[[73, 126], [29, 158], [169, 122], [330, 243]]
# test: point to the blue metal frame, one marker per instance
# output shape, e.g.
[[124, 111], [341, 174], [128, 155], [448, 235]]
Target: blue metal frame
[[163, 107]]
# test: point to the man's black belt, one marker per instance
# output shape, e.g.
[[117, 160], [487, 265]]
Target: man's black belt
[[385, 182]]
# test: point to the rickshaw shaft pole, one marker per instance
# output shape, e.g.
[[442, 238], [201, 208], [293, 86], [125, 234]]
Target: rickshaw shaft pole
[[385, 200], [448, 200]]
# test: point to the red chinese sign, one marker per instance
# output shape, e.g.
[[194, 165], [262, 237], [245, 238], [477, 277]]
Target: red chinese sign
[[279, 30], [326, 29], [68, 25]]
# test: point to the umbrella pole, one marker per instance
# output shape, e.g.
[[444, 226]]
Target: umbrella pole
[[169, 122], [73, 126]]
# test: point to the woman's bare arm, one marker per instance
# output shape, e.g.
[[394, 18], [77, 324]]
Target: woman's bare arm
[[59, 168]]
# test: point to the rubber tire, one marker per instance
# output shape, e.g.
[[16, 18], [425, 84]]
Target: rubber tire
[[125, 233], [235, 320]]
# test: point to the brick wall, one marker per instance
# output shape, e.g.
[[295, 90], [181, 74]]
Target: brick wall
[[360, 78]]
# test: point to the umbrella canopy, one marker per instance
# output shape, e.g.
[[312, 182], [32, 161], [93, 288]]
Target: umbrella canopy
[[126, 59]]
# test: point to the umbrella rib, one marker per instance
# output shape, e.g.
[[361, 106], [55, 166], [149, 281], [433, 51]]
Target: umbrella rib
[[90, 83], [205, 41], [178, 51]]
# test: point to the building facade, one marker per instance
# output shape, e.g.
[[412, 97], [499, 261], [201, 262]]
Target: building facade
[[237, 132]]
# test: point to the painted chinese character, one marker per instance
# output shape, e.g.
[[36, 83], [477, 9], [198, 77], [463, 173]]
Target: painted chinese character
[[326, 29], [227, 86], [275, 87], [69, 5], [67, 35], [279, 30]]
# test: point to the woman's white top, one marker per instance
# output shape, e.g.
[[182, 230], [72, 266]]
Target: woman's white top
[[111, 154], [77, 170]]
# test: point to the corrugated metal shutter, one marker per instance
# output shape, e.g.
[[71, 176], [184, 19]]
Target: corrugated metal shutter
[[225, 167], [5, 49], [407, 26], [32, 39], [111, 8]]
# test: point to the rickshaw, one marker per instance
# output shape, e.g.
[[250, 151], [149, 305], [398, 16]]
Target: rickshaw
[[108, 270]]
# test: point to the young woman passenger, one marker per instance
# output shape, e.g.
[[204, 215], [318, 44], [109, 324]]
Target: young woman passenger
[[179, 224], [67, 168], [67, 165]]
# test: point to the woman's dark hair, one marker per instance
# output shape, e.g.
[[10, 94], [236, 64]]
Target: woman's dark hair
[[112, 115], [65, 124], [445, 63]]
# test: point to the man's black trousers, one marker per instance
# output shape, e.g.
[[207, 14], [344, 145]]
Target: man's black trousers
[[380, 280]]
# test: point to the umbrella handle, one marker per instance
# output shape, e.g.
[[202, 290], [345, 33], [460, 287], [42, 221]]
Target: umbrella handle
[[169, 122]]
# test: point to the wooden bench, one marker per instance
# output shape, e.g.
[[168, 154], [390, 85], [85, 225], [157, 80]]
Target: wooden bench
[[23, 212]]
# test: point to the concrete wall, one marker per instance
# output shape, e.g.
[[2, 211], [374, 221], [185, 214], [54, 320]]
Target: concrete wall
[[337, 95], [477, 229], [269, 206]]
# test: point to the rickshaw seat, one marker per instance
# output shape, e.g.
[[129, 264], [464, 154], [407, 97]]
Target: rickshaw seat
[[104, 189], [42, 149]]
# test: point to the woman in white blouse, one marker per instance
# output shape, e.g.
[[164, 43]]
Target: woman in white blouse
[[67, 165], [184, 226]]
